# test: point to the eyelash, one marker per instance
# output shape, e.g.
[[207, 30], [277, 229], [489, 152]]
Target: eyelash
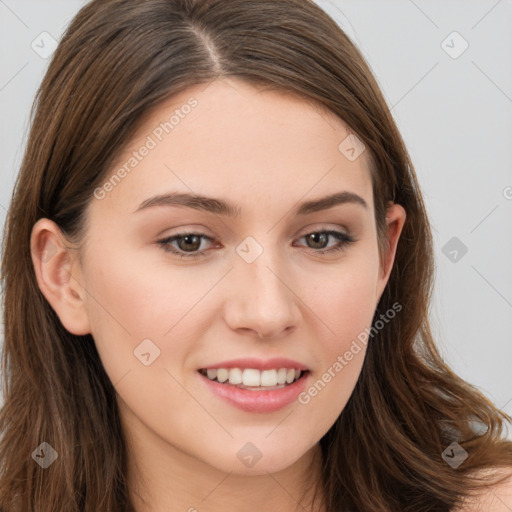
[[345, 240]]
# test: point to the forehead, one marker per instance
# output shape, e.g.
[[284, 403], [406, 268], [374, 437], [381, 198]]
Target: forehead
[[232, 138]]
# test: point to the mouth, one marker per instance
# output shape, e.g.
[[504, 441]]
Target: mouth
[[254, 379]]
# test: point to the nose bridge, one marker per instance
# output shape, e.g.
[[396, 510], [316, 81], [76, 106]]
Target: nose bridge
[[262, 298]]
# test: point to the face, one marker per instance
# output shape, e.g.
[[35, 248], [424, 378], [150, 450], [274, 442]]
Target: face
[[167, 290]]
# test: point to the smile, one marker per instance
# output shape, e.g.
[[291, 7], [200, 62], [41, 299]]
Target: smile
[[251, 378]]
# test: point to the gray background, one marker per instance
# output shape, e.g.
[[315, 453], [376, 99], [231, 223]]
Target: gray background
[[454, 112]]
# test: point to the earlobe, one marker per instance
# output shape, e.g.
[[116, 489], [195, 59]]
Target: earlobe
[[58, 275], [395, 220]]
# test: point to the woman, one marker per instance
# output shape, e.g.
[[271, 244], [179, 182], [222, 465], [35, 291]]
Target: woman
[[217, 268]]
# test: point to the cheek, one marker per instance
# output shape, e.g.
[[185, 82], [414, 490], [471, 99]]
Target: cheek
[[345, 302], [130, 301], [139, 293], [346, 305]]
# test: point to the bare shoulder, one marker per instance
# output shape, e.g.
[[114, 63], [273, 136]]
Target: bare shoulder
[[497, 498]]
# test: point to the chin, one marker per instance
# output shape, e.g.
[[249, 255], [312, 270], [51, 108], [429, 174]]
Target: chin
[[248, 460]]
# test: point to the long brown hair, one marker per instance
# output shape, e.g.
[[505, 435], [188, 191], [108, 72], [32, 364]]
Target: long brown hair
[[117, 60]]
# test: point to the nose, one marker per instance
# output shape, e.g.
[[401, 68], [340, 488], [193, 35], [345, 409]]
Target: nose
[[261, 299]]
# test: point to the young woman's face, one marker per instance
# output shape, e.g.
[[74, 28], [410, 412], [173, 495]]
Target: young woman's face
[[252, 285]]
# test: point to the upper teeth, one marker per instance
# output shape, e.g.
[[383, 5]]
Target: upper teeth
[[253, 377]]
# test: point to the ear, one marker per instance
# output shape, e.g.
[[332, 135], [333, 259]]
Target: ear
[[59, 274], [395, 220]]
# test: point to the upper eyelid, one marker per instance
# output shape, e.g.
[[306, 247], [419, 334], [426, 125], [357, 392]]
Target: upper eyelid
[[306, 231], [214, 240], [343, 240]]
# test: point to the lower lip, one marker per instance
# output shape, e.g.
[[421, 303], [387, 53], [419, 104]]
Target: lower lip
[[258, 401]]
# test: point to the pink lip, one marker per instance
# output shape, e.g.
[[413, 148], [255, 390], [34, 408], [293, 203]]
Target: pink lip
[[257, 401], [259, 364]]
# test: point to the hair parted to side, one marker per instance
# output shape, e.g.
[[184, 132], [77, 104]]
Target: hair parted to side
[[117, 60]]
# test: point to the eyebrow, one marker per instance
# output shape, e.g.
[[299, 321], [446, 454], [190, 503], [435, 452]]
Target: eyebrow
[[228, 209]]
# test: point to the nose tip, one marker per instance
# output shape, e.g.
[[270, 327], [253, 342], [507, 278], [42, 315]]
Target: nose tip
[[261, 300]]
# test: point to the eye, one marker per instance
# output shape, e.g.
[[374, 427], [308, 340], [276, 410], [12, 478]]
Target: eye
[[320, 237], [188, 244]]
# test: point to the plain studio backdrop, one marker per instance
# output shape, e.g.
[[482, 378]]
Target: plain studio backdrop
[[446, 73]]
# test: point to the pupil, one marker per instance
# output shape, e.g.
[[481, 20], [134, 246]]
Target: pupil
[[316, 236], [188, 239]]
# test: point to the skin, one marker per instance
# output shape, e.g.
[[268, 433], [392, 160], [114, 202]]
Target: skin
[[265, 151], [497, 498]]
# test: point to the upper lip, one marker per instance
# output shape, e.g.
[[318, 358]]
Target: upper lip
[[259, 364]]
